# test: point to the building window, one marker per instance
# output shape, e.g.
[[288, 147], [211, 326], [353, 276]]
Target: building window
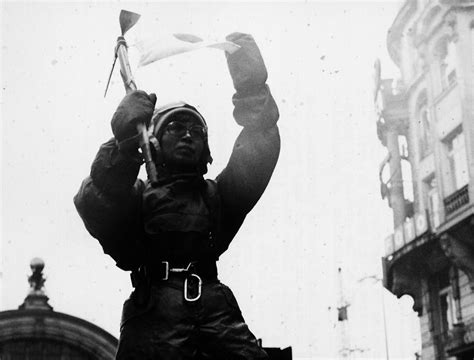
[[407, 180], [447, 308], [447, 61], [446, 313], [450, 62], [432, 200], [447, 304], [424, 126], [457, 157]]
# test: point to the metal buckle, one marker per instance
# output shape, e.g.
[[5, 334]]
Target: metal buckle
[[188, 273], [186, 288], [167, 270]]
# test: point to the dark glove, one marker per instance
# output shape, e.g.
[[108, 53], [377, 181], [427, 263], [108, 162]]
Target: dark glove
[[135, 108], [246, 65]]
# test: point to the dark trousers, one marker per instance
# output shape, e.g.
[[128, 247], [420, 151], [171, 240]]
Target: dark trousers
[[169, 327]]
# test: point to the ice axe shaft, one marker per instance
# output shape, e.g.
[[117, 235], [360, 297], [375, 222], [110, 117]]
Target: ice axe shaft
[[125, 70], [127, 20]]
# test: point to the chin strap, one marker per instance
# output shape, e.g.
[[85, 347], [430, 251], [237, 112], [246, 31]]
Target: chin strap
[[157, 154]]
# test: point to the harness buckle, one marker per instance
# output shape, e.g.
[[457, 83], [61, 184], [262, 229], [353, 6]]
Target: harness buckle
[[167, 270], [189, 274], [199, 285]]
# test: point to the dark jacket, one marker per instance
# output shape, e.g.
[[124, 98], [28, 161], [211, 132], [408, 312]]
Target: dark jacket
[[120, 210], [129, 217]]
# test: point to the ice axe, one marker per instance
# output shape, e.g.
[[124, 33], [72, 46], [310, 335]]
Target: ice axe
[[127, 20], [151, 52]]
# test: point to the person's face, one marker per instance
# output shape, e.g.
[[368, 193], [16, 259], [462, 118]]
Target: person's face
[[182, 143]]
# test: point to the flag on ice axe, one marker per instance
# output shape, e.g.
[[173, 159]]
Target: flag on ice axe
[[152, 50]]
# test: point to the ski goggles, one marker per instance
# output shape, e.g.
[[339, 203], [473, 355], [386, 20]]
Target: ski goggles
[[179, 129]]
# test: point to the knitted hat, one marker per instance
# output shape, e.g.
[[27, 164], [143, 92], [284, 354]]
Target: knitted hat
[[163, 116]]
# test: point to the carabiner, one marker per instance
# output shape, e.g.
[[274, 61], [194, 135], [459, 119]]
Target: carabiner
[[186, 288]]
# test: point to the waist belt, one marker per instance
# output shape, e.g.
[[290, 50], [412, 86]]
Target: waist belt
[[192, 272], [162, 270]]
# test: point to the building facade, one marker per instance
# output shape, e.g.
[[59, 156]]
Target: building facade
[[425, 119], [36, 331]]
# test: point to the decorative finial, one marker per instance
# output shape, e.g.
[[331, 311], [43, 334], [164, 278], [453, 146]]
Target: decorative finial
[[36, 279], [36, 298]]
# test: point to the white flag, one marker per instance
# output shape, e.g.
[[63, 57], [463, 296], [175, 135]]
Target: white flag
[[151, 50]]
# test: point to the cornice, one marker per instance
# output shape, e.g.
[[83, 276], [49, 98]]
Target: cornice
[[408, 11], [51, 325], [395, 32]]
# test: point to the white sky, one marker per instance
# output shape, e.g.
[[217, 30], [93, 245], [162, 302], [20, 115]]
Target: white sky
[[322, 208]]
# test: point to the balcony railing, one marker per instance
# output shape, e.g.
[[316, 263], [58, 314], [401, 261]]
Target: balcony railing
[[456, 338], [456, 200], [459, 338]]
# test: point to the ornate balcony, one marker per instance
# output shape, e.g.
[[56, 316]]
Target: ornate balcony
[[460, 339], [407, 250], [456, 200]]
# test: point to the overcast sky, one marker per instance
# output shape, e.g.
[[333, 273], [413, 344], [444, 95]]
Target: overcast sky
[[322, 209]]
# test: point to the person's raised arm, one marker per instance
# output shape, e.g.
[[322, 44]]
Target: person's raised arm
[[109, 199], [256, 149]]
